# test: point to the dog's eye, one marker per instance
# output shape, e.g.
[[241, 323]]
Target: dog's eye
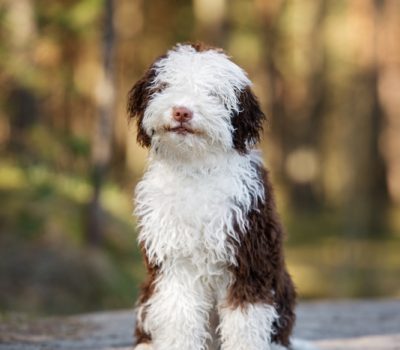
[[160, 87]]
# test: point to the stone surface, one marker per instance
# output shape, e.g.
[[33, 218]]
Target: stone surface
[[344, 325]]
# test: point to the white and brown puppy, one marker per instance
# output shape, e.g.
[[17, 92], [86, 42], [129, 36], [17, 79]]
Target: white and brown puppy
[[209, 231]]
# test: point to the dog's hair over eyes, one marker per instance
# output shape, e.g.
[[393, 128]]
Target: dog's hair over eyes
[[246, 117]]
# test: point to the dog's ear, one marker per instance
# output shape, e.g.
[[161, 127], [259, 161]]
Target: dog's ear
[[138, 99], [247, 123]]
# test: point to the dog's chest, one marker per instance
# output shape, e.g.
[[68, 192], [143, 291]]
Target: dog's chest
[[188, 216]]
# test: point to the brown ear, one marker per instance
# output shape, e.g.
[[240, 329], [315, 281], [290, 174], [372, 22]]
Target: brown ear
[[247, 123], [138, 99]]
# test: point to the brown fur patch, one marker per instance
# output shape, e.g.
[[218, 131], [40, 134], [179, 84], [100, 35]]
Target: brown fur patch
[[247, 123], [261, 276], [147, 290], [138, 99], [201, 47]]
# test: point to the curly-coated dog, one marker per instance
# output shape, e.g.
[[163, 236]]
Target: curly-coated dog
[[209, 230]]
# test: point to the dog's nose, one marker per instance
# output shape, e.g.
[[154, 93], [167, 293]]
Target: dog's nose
[[182, 114]]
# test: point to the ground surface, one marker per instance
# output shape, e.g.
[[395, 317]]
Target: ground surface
[[345, 325]]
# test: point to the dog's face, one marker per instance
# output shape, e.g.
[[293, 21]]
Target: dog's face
[[194, 100]]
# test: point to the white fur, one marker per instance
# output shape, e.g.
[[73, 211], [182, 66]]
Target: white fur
[[144, 346], [189, 211], [248, 328], [177, 313], [195, 189], [186, 215]]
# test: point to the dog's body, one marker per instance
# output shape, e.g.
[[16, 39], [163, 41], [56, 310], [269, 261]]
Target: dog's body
[[208, 228]]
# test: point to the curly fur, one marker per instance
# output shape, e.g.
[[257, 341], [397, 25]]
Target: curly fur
[[209, 230]]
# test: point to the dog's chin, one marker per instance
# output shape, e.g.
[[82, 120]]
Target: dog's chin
[[182, 143], [187, 143], [182, 136]]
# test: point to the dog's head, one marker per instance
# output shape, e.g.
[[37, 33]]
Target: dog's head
[[193, 100]]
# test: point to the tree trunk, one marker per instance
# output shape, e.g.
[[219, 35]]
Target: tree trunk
[[102, 140], [295, 123], [23, 105]]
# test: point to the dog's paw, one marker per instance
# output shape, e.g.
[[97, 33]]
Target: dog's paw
[[143, 346]]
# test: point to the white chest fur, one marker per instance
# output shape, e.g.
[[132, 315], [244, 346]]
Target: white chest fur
[[188, 212]]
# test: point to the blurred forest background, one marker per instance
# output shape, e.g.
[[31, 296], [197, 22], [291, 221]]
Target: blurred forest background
[[327, 73]]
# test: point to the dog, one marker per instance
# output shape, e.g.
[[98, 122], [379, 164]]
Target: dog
[[209, 230]]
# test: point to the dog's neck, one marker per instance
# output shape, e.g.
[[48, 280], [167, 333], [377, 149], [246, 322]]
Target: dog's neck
[[211, 163]]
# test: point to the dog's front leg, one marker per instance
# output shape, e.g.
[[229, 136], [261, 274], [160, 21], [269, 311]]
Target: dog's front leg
[[247, 327], [177, 313]]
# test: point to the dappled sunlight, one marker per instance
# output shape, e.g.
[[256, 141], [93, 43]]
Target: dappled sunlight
[[326, 74], [13, 177], [302, 165]]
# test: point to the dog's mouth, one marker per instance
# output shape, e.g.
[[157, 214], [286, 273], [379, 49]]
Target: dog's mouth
[[181, 129]]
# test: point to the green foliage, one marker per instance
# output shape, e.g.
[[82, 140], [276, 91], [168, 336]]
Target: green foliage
[[79, 146], [47, 265], [73, 17]]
